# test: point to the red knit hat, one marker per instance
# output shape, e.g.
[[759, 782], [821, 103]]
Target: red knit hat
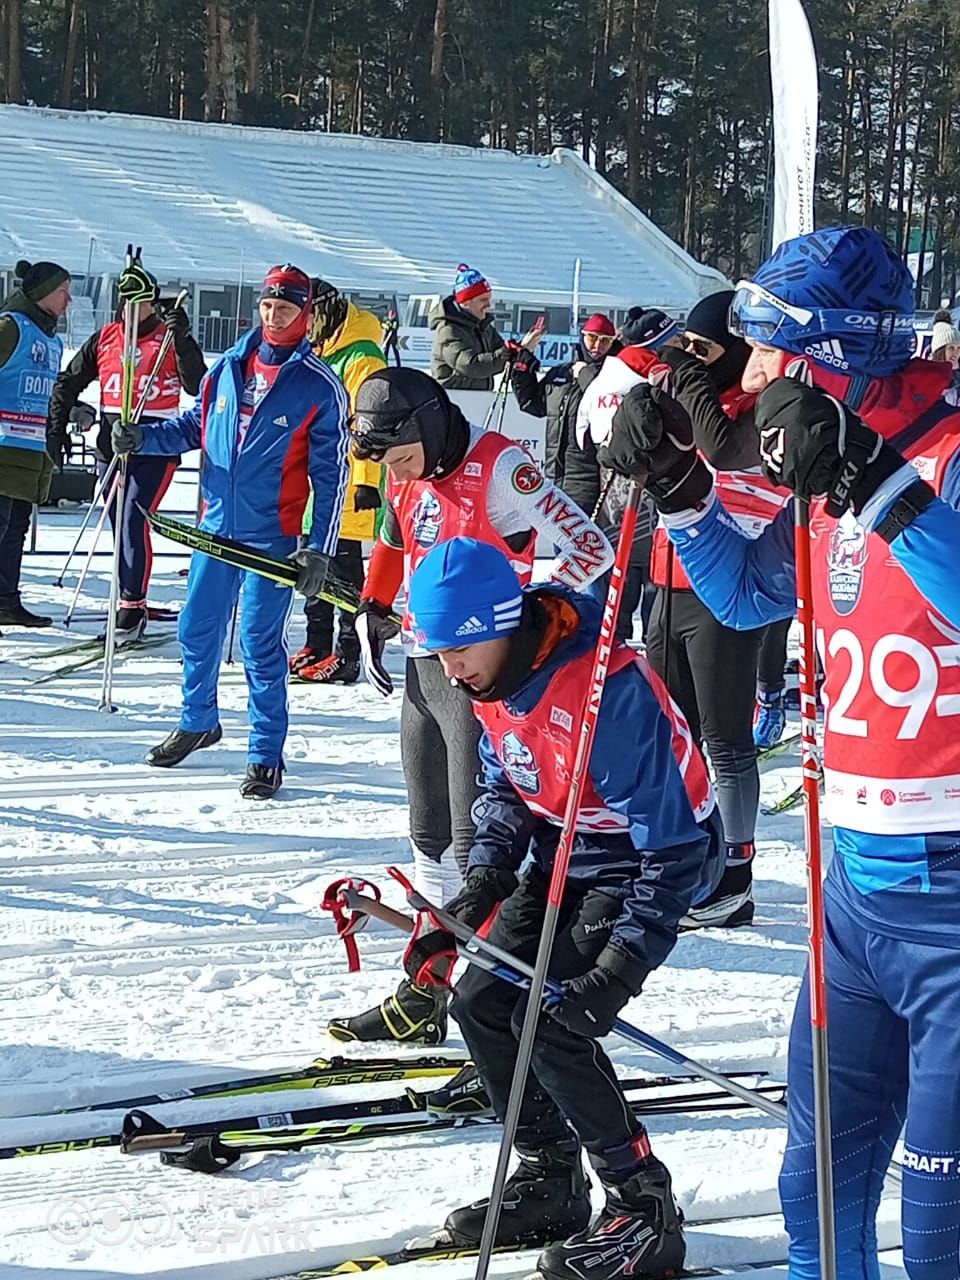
[[600, 324], [469, 283]]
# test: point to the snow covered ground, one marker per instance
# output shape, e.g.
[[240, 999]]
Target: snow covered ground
[[157, 930]]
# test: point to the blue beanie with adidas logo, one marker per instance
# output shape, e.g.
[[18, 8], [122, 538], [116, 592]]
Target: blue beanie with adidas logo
[[463, 592]]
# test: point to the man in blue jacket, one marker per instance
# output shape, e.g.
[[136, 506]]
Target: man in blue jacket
[[272, 422], [859, 430], [648, 845]]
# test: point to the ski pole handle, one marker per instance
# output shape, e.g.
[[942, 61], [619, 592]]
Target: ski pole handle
[[354, 901], [154, 373]]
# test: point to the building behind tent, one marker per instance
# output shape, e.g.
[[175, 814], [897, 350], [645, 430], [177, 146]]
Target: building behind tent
[[214, 206]]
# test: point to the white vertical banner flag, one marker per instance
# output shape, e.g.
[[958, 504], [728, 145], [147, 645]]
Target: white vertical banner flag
[[793, 75]]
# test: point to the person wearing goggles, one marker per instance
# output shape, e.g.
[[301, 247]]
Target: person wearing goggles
[[853, 425]]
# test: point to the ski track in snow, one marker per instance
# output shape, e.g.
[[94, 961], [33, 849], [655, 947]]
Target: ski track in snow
[[157, 930]]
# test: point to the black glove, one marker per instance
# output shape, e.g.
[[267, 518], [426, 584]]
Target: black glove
[[314, 567], [374, 628], [177, 322], [652, 440], [126, 437], [83, 416], [136, 284], [589, 1004], [484, 889], [814, 445], [366, 497], [59, 447]]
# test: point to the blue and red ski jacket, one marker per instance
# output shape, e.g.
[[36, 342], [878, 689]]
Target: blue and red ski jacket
[[255, 485]]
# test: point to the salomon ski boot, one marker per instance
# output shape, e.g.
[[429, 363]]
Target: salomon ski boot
[[546, 1198], [308, 656], [638, 1233], [412, 1015], [177, 745], [769, 720], [464, 1095], [731, 903]]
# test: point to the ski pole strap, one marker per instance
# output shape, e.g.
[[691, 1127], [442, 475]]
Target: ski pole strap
[[348, 922]]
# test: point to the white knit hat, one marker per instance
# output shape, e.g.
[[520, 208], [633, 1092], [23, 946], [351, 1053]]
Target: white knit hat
[[945, 332]]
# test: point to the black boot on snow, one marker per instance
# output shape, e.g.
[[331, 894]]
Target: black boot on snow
[[547, 1198], [413, 1015], [131, 620], [177, 746], [638, 1233], [262, 781], [464, 1095], [731, 903], [17, 615]]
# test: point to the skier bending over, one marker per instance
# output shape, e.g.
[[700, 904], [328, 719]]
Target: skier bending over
[[444, 477], [877, 451], [648, 845]]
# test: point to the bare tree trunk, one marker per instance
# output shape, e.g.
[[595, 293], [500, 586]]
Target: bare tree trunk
[[4, 68], [357, 121], [14, 69], [642, 35], [305, 62], [690, 194], [891, 144], [74, 18], [737, 217], [254, 78], [846, 128], [228, 63], [212, 99], [434, 120]]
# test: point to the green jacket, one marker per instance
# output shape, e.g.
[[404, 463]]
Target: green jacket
[[467, 353], [24, 473]]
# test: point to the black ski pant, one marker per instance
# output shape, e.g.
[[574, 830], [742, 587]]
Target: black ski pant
[[773, 657], [15, 516], [348, 566], [438, 750], [571, 1079], [711, 672]]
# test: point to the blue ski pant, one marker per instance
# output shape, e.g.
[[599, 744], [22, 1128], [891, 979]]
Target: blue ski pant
[[148, 479], [893, 1010], [212, 591]]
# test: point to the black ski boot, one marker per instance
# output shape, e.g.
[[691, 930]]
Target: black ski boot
[[262, 781], [177, 746], [638, 1233], [413, 1015], [545, 1199], [731, 903], [17, 615], [464, 1095], [131, 621]]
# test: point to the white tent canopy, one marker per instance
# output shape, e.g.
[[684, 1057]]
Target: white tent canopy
[[367, 214]]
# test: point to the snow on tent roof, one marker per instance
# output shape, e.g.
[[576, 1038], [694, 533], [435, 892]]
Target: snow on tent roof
[[366, 214]]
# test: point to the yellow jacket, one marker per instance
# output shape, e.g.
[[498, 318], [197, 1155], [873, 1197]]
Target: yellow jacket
[[353, 353]]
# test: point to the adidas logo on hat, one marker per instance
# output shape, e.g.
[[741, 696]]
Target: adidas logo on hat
[[473, 626], [828, 352]]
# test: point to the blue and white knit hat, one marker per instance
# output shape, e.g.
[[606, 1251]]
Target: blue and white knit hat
[[463, 592]]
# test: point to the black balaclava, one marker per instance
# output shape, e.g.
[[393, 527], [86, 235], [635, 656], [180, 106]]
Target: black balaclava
[[405, 406]]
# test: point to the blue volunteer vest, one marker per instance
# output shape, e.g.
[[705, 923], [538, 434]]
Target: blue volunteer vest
[[26, 384]]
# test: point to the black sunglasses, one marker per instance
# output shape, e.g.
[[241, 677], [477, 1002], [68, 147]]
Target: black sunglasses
[[699, 346]]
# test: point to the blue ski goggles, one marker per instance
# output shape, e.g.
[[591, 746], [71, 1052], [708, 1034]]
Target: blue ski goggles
[[761, 316]]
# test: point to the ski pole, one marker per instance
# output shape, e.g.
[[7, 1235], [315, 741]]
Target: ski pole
[[486, 955], [233, 633], [591, 711], [130, 317], [817, 969], [104, 512], [154, 373], [97, 498]]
